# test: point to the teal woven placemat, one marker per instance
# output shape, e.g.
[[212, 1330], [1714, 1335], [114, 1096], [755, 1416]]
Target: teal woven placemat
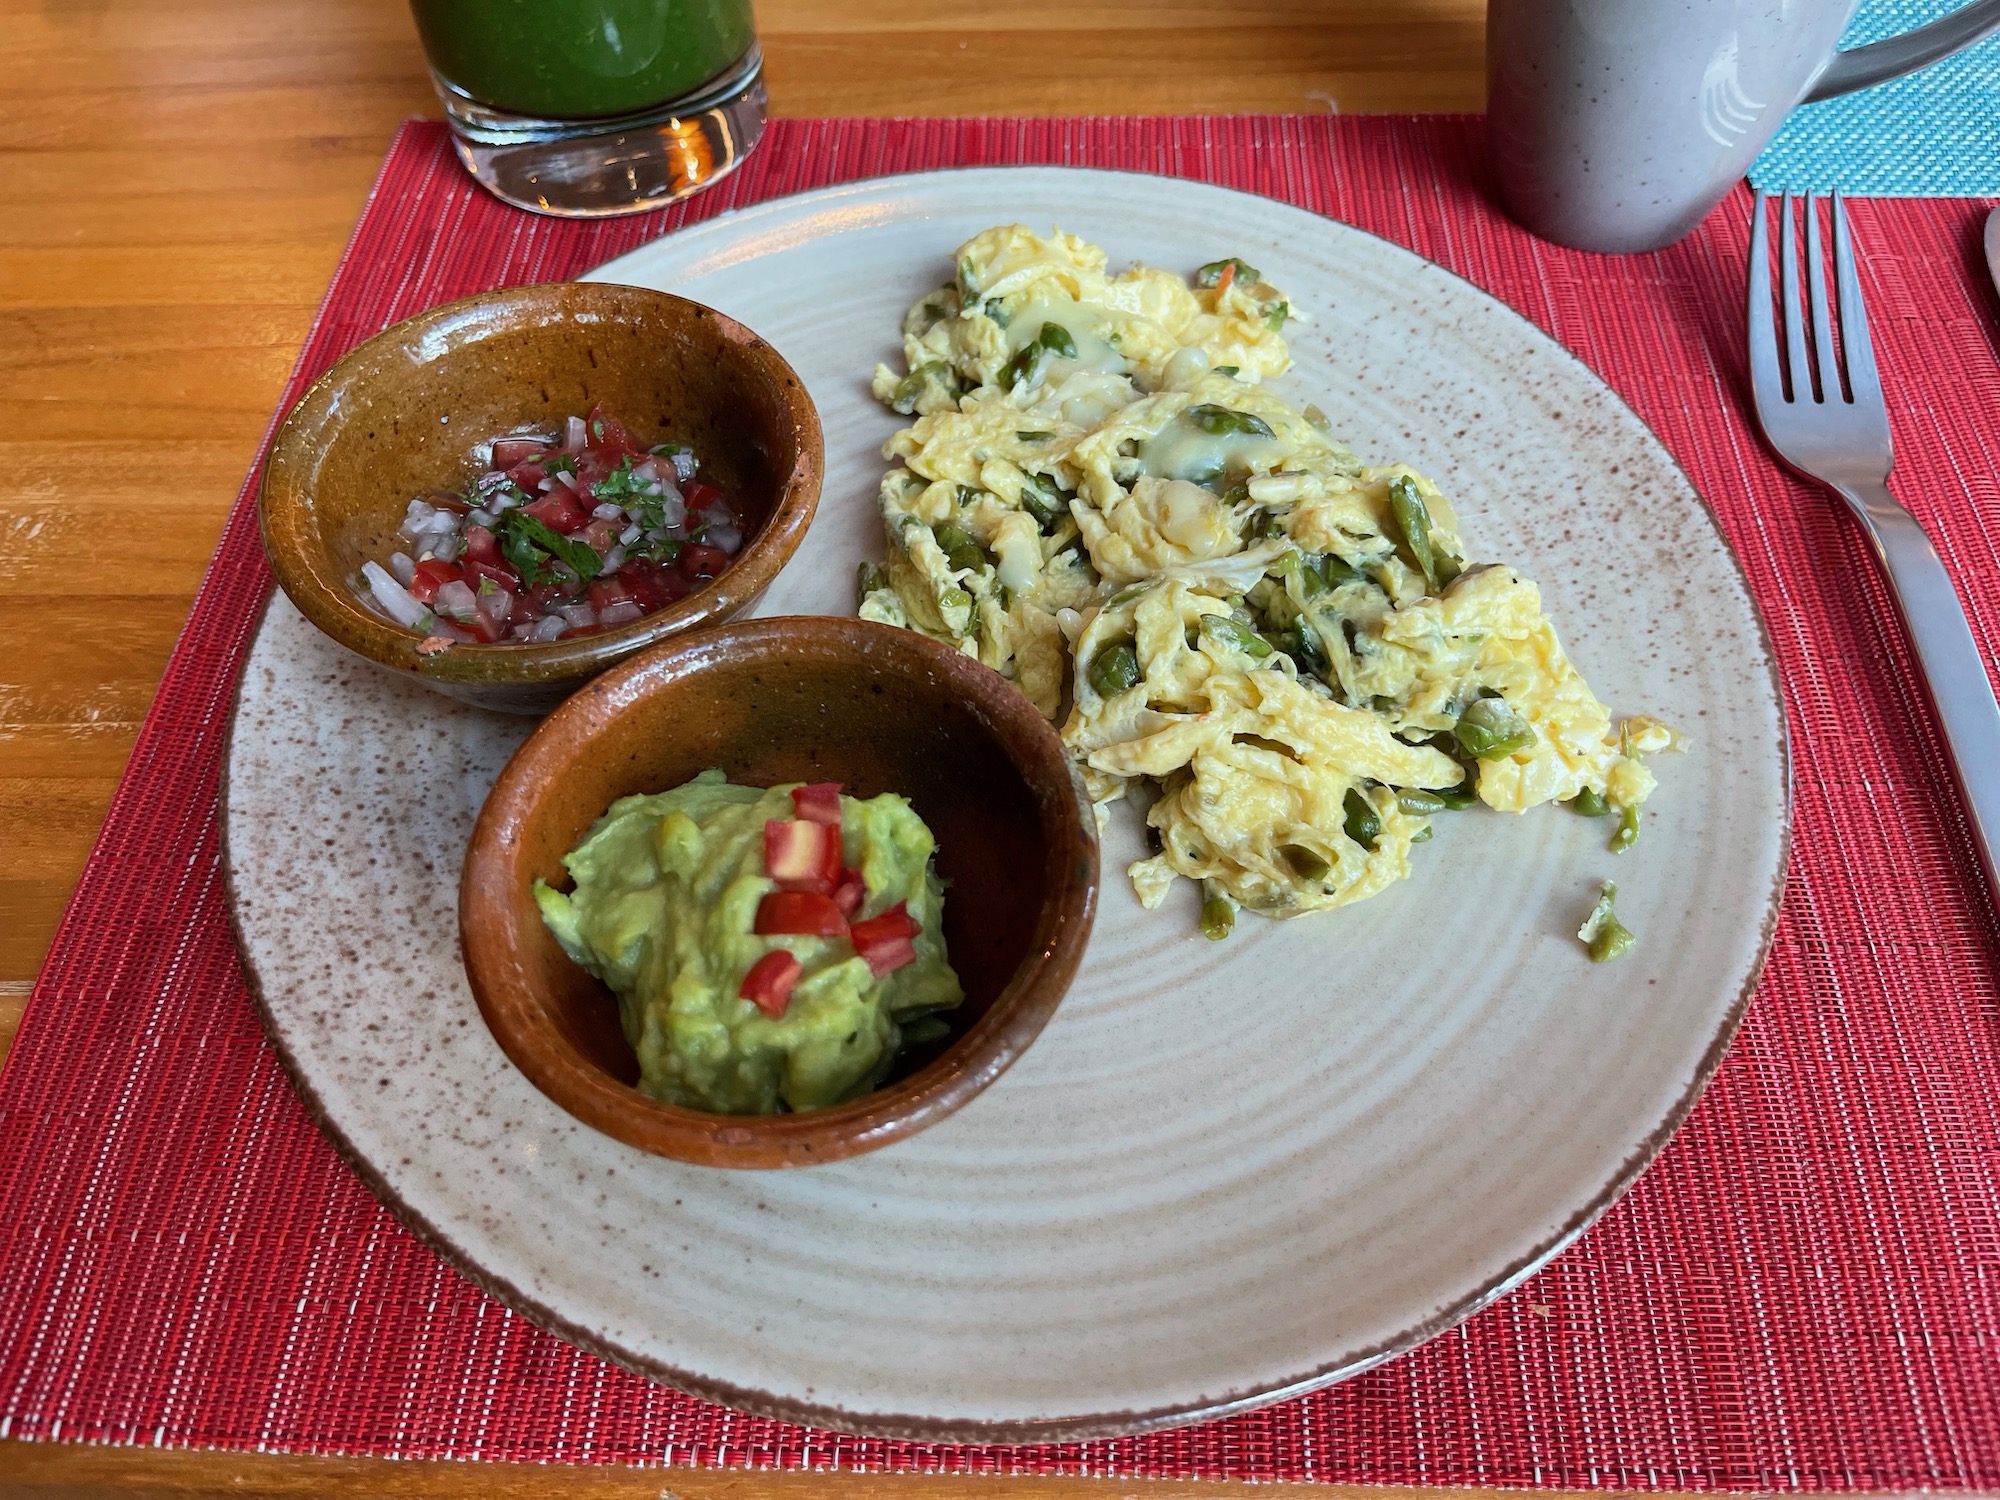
[[1935, 134]]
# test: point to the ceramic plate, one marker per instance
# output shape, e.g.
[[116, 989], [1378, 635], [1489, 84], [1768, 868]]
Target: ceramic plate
[[1227, 1172]]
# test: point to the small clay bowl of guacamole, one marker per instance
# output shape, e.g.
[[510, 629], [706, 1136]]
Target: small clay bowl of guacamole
[[409, 413], [769, 703]]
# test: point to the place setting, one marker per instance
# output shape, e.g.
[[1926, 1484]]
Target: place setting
[[1198, 798]]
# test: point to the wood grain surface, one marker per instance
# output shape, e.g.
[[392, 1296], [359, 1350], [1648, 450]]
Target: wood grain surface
[[179, 180]]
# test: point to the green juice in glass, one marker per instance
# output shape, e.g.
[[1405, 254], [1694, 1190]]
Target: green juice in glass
[[582, 59]]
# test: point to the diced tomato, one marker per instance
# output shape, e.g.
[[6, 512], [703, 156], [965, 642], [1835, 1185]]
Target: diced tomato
[[653, 586], [608, 435], [698, 562], [884, 941], [433, 575], [887, 957], [523, 613], [602, 535], [896, 922], [700, 496], [544, 596], [593, 467], [483, 627], [849, 891], [507, 452], [818, 802], [605, 592], [802, 856], [503, 576], [771, 980], [481, 545], [528, 475], [559, 511], [799, 914]]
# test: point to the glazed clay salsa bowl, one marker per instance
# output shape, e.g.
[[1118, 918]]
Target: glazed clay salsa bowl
[[770, 701], [399, 415]]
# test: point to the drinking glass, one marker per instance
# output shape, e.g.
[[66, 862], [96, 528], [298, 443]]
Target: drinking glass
[[584, 108]]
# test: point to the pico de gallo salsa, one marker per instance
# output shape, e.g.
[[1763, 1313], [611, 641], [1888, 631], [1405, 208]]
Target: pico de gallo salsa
[[563, 533]]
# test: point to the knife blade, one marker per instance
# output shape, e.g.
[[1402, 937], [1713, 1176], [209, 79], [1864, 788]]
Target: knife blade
[[1993, 247]]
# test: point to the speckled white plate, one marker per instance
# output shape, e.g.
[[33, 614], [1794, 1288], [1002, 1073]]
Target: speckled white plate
[[1226, 1173]]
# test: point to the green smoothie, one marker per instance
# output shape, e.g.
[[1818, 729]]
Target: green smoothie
[[582, 59]]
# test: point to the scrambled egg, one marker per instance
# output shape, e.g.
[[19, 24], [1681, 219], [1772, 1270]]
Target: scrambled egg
[[1215, 598]]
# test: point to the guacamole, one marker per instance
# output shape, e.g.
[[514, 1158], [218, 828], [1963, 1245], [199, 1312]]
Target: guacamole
[[731, 1002]]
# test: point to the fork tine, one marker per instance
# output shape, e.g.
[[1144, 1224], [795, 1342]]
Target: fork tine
[[1822, 316], [1765, 380], [1795, 333], [1862, 378]]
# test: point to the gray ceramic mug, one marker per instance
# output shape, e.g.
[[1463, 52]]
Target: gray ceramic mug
[[1618, 124]]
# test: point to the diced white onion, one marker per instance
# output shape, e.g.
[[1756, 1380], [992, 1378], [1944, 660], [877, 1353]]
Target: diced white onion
[[684, 465], [613, 560], [567, 478], [502, 503], [647, 471], [573, 433], [622, 613], [631, 534], [728, 538], [579, 616], [608, 512], [497, 605], [480, 518], [393, 597], [403, 566], [547, 628], [457, 600]]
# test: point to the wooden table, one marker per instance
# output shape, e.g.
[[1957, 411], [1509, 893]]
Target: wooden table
[[179, 180]]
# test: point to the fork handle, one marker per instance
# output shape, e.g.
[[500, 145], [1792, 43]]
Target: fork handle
[[1949, 656]]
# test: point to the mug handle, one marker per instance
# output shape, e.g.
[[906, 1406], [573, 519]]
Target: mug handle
[[1892, 57]]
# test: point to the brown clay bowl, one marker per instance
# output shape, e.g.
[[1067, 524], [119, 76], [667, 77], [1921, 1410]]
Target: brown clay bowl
[[397, 417], [769, 701]]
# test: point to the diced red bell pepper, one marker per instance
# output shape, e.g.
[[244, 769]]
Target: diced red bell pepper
[[771, 980], [507, 452], [605, 592], [884, 941], [503, 576], [818, 802], [849, 891], [433, 575], [701, 496], [559, 511], [798, 914], [481, 544], [1222, 282], [701, 562], [802, 856]]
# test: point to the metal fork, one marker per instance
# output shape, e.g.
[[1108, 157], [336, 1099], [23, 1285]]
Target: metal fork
[[1842, 440]]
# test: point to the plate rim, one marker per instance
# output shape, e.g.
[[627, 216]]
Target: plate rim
[[1097, 1425]]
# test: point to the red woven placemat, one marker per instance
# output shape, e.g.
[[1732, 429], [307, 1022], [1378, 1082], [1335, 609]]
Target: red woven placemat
[[1800, 1294]]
